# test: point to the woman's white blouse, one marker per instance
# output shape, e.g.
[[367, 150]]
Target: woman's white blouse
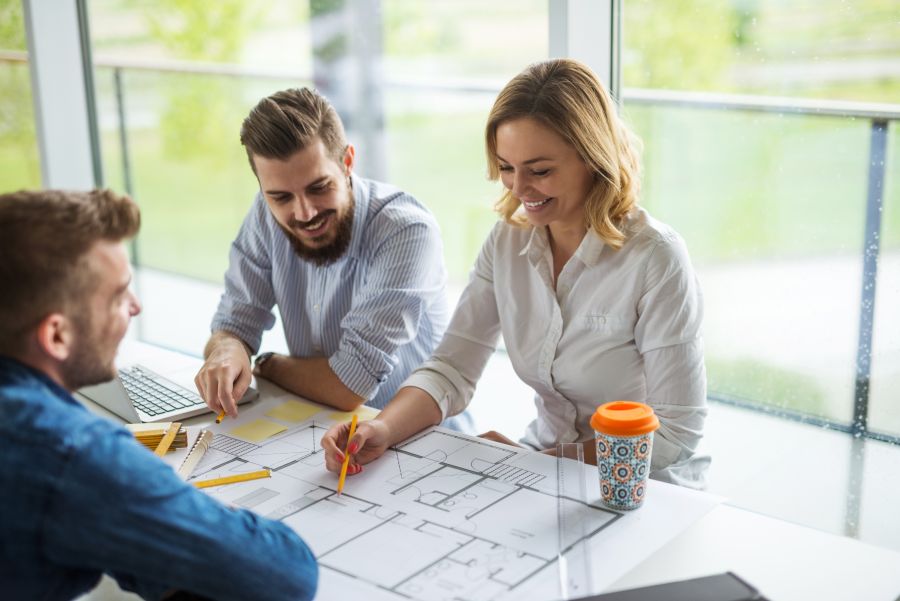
[[620, 325]]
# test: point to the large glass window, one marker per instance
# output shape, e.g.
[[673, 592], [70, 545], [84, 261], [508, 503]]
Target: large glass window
[[413, 82], [19, 158], [445, 63], [175, 79], [884, 403], [769, 186]]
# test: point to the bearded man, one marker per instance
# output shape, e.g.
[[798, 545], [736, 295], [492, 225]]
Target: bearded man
[[355, 268]]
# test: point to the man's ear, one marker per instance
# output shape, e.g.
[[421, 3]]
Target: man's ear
[[349, 159], [55, 336]]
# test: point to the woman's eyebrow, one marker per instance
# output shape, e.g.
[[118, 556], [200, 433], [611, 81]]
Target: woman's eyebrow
[[529, 161]]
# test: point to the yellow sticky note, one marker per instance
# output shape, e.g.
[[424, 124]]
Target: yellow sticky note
[[258, 430], [362, 411], [293, 411]]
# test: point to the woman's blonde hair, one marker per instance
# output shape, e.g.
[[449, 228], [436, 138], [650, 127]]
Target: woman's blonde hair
[[565, 96]]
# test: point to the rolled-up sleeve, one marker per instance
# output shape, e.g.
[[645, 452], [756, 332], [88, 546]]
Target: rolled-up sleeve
[[454, 369], [245, 308], [401, 284], [668, 336]]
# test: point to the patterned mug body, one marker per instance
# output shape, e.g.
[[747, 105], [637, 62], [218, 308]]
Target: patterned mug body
[[624, 464]]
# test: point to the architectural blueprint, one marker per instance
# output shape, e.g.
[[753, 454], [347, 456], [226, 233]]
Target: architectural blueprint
[[441, 516]]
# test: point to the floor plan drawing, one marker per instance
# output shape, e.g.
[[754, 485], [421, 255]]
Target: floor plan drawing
[[442, 516], [442, 512]]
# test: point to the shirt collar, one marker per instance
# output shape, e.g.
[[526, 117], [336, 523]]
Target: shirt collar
[[360, 210], [14, 369], [590, 249], [538, 243], [588, 252]]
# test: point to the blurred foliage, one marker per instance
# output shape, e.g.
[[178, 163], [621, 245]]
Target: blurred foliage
[[685, 45], [770, 384], [412, 29], [199, 119], [463, 38], [18, 144], [814, 49], [202, 31], [12, 25]]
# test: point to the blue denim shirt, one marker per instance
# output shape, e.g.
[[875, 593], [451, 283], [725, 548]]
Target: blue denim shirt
[[80, 497]]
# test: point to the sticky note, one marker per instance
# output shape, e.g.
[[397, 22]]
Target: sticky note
[[257, 430], [293, 411], [362, 411]]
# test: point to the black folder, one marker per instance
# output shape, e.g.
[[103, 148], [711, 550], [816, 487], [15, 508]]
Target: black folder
[[719, 587]]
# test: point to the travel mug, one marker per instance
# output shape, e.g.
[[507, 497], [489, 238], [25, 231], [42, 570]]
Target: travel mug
[[623, 433]]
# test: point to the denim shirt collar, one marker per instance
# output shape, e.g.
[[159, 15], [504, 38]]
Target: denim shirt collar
[[13, 370]]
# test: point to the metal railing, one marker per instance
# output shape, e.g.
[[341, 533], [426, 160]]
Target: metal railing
[[878, 115]]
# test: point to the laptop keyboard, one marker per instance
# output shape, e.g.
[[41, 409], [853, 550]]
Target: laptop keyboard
[[153, 395]]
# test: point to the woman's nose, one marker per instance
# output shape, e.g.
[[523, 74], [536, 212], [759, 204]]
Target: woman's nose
[[519, 185]]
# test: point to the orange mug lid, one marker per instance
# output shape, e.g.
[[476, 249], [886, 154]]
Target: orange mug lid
[[624, 418]]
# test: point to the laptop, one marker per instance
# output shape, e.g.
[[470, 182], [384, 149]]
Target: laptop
[[140, 395]]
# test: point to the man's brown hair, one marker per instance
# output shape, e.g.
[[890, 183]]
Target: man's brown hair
[[44, 237], [289, 121]]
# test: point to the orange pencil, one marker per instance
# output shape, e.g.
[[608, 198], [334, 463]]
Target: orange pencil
[[220, 417], [346, 456]]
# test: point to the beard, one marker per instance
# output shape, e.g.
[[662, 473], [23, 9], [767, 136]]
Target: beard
[[332, 251], [86, 366]]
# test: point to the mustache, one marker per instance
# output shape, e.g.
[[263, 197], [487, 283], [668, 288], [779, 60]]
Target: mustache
[[294, 223]]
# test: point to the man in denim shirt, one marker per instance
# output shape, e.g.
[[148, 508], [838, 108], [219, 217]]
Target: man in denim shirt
[[79, 497]]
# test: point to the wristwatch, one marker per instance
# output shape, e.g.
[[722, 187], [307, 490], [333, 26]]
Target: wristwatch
[[260, 359]]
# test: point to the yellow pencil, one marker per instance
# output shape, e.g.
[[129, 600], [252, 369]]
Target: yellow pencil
[[233, 479], [346, 455], [163, 447], [220, 417]]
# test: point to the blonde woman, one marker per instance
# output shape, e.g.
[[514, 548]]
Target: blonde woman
[[595, 299]]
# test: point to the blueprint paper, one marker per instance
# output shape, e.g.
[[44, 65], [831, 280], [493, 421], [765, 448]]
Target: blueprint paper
[[440, 516]]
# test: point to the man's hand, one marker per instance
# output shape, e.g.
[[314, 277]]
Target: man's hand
[[226, 375]]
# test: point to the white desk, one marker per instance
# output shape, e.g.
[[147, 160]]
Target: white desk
[[784, 561]]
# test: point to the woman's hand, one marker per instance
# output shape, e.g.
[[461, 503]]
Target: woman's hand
[[370, 441]]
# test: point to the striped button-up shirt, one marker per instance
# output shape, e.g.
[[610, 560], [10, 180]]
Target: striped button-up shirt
[[376, 313]]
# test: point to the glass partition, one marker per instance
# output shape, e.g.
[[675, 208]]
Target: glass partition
[[757, 150], [884, 398], [172, 97], [19, 158]]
